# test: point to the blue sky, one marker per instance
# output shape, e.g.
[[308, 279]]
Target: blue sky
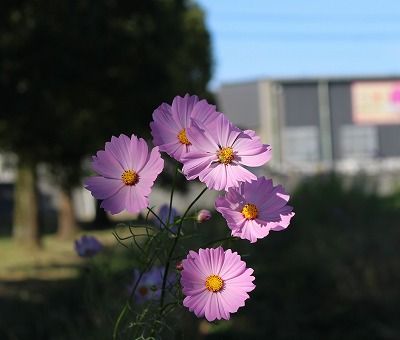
[[295, 38]]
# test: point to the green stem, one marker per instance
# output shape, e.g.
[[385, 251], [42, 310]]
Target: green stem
[[171, 252], [162, 222], [120, 317], [168, 305], [127, 304], [172, 194]]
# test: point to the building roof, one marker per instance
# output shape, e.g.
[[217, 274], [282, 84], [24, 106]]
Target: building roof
[[316, 78]]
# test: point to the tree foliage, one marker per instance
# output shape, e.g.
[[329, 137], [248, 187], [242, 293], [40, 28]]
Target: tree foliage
[[75, 72]]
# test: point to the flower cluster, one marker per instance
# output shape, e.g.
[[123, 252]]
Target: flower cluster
[[215, 281]]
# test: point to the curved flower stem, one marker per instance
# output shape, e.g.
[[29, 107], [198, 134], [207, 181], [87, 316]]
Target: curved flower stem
[[172, 194], [119, 319], [194, 218], [165, 225], [127, 303], [171, 251], [170, 305], [157, 217]]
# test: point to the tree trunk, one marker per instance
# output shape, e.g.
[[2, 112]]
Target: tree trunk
[[67, 226], [25, 214]]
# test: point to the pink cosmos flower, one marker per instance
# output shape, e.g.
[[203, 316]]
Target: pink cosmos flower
[[220, 150], [127, 171], [171, 123], [253, 209], [215, 282]]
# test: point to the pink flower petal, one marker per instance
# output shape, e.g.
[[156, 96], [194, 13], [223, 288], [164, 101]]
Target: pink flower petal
[[154, 165], [183, 108], [237, 174], [252, 152], [284, 223], [106, 165], [119, 149], [202, 139], [197, 303], [252, 231], [215, 176], [136, 200], [162, 118], [196, 163], [102, 188], [233, 265], [116, 203], [225, 131], [204, 112], [138, 152], [212, 308]]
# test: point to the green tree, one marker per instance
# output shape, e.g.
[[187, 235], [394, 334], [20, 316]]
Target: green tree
[[73, 73]]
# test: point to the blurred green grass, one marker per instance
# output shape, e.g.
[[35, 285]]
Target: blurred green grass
[[55, 260], [51, 293]]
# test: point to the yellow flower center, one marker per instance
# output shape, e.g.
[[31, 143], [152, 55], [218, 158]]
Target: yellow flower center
[[214, 283], [182, 137], [225, 155], [250, 211], [130, 177]]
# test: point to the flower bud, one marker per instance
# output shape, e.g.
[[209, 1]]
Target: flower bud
[[179, 266], [203, 215]]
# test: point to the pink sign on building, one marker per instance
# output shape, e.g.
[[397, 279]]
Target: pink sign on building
[[376, 102]]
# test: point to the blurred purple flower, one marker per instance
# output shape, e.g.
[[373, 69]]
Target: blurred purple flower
[[87, 246], [203, 215], [163, 215], [150, 284]]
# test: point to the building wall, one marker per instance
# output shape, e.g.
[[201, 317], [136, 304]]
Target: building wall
[[385, 139], [309, 123], [340, 109], [300, 123], [241, 104], [301, 104], [389, 140]]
